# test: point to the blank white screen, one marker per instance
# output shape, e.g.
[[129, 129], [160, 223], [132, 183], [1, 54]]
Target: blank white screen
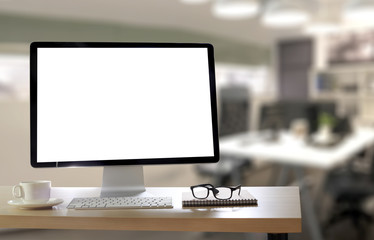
[[123, 103]]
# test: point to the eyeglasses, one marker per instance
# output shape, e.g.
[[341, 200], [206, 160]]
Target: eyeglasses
[[202, 191]]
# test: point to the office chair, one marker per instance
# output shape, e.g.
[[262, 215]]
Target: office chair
[[349, 187], [234, 111]]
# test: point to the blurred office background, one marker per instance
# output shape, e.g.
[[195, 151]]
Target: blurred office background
[[281, 66]]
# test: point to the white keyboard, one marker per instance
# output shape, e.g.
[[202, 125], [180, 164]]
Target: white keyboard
[[120, 202]]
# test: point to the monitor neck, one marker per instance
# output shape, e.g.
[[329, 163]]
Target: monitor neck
[[122, 181]]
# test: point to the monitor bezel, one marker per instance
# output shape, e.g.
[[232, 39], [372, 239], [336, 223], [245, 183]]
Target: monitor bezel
[[113, 162]]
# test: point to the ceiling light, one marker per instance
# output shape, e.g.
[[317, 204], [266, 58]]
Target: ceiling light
[[235, 9], [361, 11], [285, 13], [194, 2]]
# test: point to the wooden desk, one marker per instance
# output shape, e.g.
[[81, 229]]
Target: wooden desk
[[278, 212]]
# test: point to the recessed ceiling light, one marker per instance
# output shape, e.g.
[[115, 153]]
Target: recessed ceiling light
[[194, 2], [285, 13], [235, 9]]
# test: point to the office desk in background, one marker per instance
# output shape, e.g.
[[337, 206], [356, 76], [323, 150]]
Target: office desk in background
[[278, 213], [290, 151], [295, 155]]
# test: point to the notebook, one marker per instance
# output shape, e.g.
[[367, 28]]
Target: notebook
[[244, 199]]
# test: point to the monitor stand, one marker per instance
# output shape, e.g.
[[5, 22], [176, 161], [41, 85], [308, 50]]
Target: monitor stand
[[119, 181]]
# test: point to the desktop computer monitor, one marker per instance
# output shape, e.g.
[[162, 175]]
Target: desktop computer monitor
[[122, 106]]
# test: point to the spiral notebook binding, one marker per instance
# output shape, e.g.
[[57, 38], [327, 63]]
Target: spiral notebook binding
[[244, 199]]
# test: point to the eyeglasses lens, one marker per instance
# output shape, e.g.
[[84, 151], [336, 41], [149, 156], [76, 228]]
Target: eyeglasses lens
[[223, 193], [200, 192]]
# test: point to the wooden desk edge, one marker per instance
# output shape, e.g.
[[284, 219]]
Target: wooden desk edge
[[281, 225]]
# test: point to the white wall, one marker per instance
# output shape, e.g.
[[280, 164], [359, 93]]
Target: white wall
[[14, 152]]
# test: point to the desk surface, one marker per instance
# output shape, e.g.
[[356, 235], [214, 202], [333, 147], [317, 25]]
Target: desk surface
[[293, 152], [278, 211]]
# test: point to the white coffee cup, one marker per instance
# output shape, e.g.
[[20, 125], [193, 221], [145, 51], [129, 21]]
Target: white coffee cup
[[33, 191]]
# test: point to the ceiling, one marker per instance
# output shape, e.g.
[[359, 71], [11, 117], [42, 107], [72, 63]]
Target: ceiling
[[152, 13]]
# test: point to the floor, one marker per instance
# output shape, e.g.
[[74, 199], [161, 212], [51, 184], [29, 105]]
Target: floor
[[185, 176]]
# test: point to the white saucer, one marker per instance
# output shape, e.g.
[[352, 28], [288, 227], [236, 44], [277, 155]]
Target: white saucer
[[20, 204]]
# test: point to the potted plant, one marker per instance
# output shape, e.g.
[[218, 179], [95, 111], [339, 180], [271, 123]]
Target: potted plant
[[326, 123]]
